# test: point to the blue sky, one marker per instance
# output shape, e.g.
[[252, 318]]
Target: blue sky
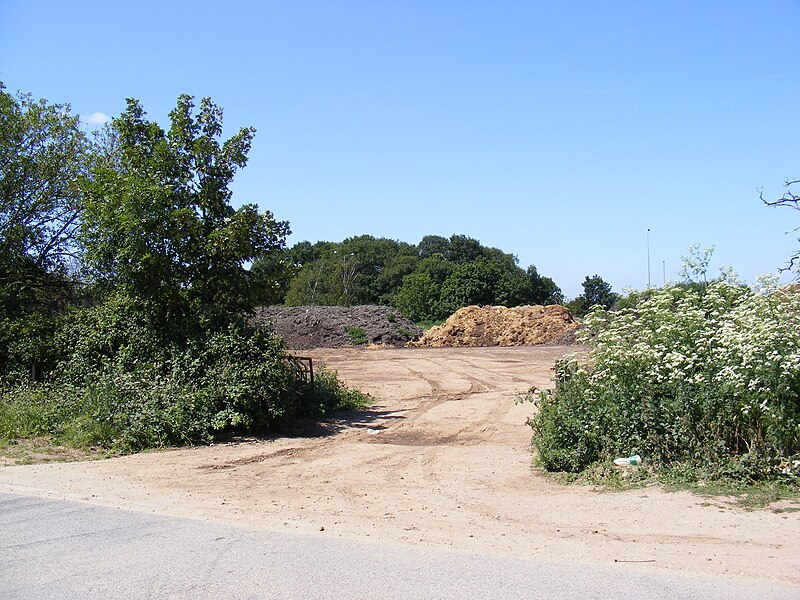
[[557, 133]]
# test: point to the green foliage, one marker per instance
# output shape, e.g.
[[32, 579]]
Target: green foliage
[[472, 283], [43, 154], [417, 298], [158, 223], [596, 292], [566, 434], [462, 249], [431, 245], [372, 268], [709, 379], [633, 298], [160, 353], [359, 270], [329, 395], [357, 335], [26, 347], [426, 282], [460, 272], [270, 277], [126, 388], [538, 289], [316, 283]]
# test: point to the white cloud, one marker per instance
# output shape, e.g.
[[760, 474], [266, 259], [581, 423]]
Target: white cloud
[[96, 118]]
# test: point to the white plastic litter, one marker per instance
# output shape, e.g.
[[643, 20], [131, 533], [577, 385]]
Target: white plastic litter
[[627, 462]]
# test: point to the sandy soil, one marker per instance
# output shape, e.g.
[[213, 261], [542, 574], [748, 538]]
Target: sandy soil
[[442, 459]]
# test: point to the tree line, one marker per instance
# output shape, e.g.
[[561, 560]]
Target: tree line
[[425, 282]]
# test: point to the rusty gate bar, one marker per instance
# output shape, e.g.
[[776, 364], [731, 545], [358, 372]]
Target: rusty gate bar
[[305, 368]]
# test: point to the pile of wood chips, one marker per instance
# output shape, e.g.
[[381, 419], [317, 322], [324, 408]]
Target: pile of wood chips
[[501, 326]]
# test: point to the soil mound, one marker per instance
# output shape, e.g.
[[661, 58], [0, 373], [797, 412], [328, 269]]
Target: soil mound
[[304, 327], [501, 326]]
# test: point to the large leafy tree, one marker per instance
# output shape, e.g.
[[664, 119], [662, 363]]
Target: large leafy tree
[[359, 270], [528, 287], [596, 291], [418, 298], [43, 155], [419, 295], [376, 267], [478, 282], [456, 249], [158, 223]]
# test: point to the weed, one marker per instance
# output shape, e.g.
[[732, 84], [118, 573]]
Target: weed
[[406, 334], [429, 324], [357, 335]]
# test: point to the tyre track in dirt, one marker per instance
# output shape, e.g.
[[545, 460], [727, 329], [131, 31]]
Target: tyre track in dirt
[[441, 459]]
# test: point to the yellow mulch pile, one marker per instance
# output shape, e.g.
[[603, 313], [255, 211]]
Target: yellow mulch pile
[[501, 326]]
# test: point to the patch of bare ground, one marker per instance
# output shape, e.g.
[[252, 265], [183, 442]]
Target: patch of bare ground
[[442, 459]]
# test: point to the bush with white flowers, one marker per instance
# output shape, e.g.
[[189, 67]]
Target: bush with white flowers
[[689, 375]]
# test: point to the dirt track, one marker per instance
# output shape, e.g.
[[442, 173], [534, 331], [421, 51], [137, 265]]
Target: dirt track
[[442, 459]]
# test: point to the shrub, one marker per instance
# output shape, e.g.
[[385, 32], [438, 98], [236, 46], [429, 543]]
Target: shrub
[[328, 395], [125, 386], [704, 376]]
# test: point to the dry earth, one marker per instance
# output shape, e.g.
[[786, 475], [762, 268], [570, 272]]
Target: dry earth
[[304, 327], [442, 459]]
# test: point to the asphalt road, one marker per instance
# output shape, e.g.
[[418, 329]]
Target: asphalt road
[[59, 549]]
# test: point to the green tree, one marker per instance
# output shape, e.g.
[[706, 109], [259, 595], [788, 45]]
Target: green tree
[[426, 282], [432, 244], [437, 267], [418, 298], [463, 249], [373, 268], [158, 222], [271, 276], [539, 289], [543, 289], [359, 270], [472, 283], [305, 252], [43, 155], [419, 295], [595, 292], [456, 249], [283, 278]]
